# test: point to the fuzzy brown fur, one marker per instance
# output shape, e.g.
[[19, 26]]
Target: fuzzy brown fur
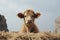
[[29, 26]]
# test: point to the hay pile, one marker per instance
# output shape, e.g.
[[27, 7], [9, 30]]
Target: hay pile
[[29, 36]]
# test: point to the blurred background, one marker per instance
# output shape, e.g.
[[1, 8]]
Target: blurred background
[[49, 9]]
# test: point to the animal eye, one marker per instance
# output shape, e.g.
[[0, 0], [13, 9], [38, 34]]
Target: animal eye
[[33, 16], [24, 16]]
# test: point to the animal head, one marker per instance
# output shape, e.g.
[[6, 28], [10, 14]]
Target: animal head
[[29, 16]]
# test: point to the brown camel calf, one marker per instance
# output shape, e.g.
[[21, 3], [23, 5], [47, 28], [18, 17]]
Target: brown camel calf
[[29, 18]]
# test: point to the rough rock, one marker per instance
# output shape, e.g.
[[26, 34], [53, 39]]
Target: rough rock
[[3, 24], [57, 24], [29, 36]]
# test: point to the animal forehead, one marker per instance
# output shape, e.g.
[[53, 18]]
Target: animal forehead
[[29, 12]]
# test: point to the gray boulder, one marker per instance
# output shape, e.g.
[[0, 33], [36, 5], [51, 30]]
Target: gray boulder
[[3, 24]]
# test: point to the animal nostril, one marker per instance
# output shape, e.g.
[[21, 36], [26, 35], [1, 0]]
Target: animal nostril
[[29, 21]]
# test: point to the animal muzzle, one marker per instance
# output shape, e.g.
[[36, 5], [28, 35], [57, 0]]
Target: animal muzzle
[[29, 21]]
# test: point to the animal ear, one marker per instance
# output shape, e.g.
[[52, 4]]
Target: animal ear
[[37, 15], [20, 15]]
